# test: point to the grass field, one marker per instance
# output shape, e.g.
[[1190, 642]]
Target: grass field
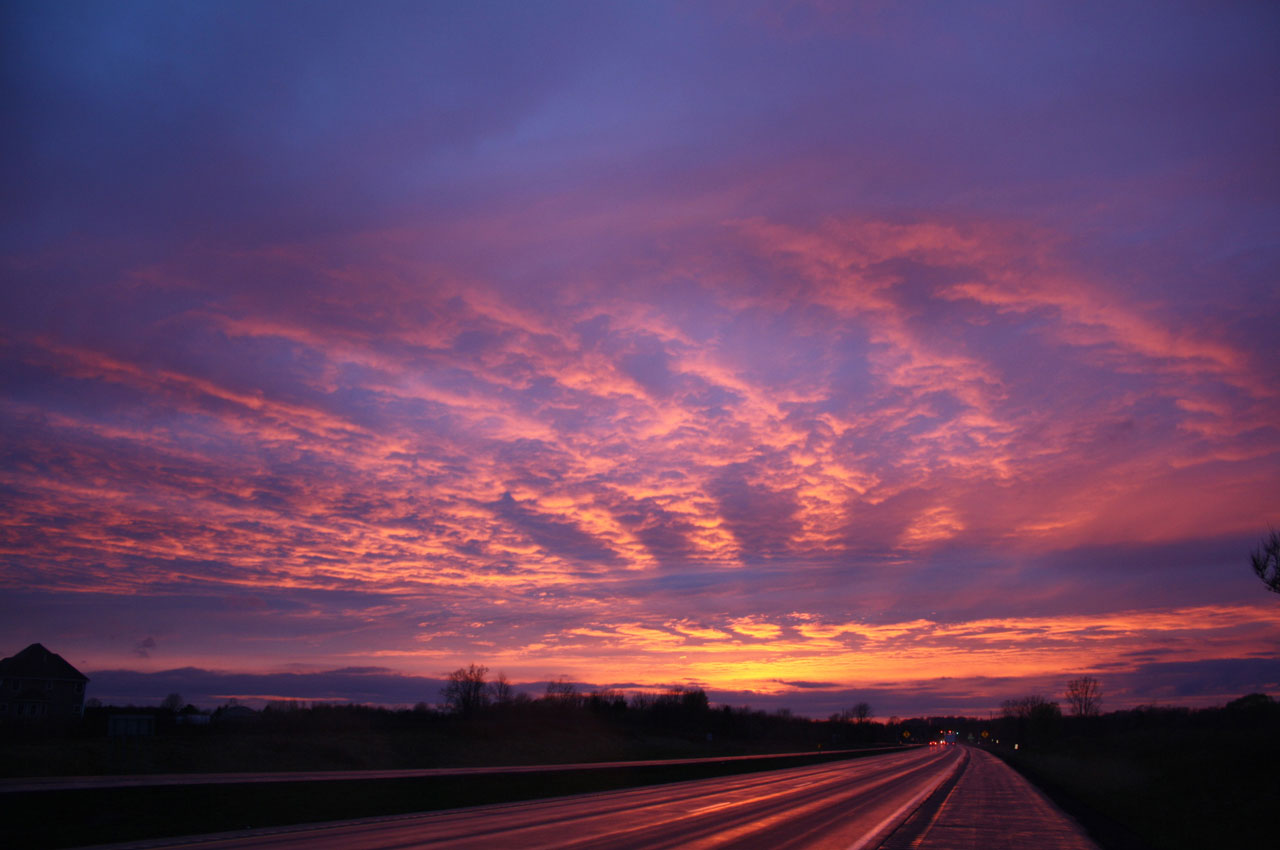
[[1163, 789], [441, 745]]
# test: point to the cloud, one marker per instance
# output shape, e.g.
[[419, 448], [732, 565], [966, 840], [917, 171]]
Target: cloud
[[1199, 681], [761, 518], [504, 323], [209, 688], [552, 535], [808, 685]]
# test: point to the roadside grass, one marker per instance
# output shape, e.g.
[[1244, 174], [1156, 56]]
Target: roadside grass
[[220, 751], [1164, 789]]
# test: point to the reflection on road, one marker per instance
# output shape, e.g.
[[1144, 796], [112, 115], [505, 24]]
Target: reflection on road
[[838, 804]]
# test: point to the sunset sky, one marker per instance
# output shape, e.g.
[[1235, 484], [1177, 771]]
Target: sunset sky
[[811, 352]]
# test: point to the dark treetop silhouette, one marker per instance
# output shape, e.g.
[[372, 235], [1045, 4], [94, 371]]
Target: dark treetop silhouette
[[1266, 561]]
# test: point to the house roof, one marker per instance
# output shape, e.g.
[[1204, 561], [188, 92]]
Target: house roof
[[36, 662]]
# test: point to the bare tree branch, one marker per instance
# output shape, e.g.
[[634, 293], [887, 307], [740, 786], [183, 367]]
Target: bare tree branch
[[1084, 695], [1266, 561]]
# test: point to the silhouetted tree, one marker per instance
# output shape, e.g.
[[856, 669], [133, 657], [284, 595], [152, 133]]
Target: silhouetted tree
[[1259, 703], [693, 700], [859, 713], [466, 693], [500, 690], [1034, 717], [563, 692], [1266, 561], [607, 700], [173, 702], [1084, 695], [1026, 707]]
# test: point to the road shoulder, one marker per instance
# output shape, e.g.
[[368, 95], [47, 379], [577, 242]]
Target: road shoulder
[[989, 806]]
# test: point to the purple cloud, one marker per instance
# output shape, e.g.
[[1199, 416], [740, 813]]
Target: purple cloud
[[700, 345]]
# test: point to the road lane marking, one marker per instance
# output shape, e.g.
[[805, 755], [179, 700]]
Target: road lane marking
[[841, 793], [717, 807], [549, 814], [886, 826]]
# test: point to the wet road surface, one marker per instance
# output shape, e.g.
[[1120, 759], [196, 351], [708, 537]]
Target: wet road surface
[[847, 804]]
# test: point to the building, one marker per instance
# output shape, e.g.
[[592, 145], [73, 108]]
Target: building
[[37, 684]]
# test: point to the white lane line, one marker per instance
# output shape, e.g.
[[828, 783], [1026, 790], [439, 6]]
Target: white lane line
[[842, 791], [717, 807], [882, 829]]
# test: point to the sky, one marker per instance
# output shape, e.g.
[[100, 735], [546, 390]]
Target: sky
[[807, 352]]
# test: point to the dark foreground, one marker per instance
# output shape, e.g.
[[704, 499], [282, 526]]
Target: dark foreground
[[67, 817], [1140, 779], [928, 798], [1164, 779]]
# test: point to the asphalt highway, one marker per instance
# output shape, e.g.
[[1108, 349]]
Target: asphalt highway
[[850, 805]]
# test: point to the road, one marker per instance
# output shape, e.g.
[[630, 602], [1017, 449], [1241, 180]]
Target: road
[[989, 806], [850, 805]]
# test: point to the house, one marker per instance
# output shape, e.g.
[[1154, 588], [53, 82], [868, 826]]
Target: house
[[37, 684], [235, 715]]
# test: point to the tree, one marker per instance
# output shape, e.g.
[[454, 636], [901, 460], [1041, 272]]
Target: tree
[[465, 692], [693, 700], [1084, 695], [1024, 708], [1034, 717], [859, 713], [1266, 561], [607, 701], [500, 690], [562, 692], [173, 702]]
